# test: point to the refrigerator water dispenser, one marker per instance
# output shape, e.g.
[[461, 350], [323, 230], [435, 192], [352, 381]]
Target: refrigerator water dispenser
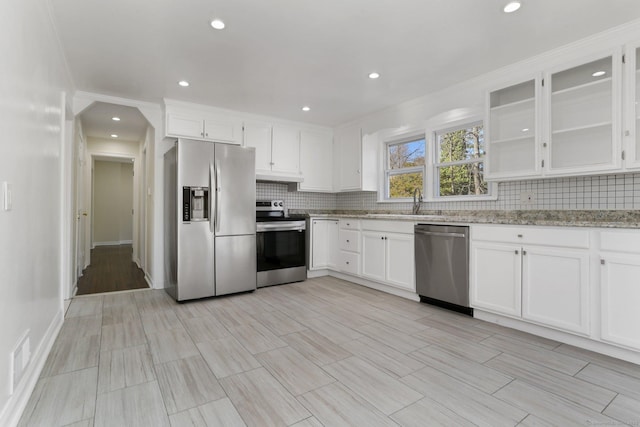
[[196, 204]]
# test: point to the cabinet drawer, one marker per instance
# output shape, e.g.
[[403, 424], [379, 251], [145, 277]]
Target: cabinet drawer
[[349, 262], [388, 226], [562, 237], [350, 224], [350, 240], [626, 241]]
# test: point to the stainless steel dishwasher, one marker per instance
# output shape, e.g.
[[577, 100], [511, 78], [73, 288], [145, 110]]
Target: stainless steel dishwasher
[[442, 266]]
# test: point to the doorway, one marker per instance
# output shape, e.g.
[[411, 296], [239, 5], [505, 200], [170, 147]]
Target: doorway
[[111, 215]]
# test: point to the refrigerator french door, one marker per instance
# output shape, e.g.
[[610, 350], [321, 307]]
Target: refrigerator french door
[[210, 239]]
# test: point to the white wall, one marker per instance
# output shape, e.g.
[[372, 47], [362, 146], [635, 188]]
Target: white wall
[[113, 203], [32, 92], [97, 148]]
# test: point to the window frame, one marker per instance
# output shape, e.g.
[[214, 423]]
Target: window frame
[[388, 172], [435, 165]]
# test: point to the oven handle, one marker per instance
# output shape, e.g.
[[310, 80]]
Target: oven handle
[[261, 228]]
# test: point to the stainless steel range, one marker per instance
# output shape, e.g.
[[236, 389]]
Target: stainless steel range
[[280, 241]]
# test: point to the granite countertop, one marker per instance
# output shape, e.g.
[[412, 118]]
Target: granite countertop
[[564, 218]]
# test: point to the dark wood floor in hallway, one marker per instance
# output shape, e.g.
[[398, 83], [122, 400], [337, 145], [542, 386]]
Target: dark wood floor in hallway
[[111, 269]]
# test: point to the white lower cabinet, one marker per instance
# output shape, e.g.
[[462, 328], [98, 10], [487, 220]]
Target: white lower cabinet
[[548, 285], [555, 287], [619, 258], [349, 246], [324, 244], [333, 258], [400, 265], [388, 257], [373, 255], [620, 299], [496, 273]]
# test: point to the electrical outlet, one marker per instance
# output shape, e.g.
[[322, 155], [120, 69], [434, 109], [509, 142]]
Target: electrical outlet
[[527, 198]]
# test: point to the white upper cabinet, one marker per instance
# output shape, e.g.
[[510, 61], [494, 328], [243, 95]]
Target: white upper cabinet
[[202, 124], [631, 128], [285, 150], [566, 123], [316, 161], [258, 136], [512, 127], [355, 160], [583, 116], [277, 149]]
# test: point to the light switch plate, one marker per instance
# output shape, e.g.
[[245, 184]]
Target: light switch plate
[[7, 203]]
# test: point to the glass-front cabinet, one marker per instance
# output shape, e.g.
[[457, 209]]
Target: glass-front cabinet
[[513, 129], [583, 117], [566, 122], [631, 128]]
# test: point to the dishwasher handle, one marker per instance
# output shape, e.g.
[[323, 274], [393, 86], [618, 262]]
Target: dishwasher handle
[[439, 233]]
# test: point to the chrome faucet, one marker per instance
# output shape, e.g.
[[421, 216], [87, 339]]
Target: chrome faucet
[[417, 199]]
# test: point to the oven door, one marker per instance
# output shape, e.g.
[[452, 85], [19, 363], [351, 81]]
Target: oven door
[[281, 255]]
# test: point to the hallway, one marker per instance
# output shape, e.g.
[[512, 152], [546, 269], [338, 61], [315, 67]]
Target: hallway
[[111, 269]]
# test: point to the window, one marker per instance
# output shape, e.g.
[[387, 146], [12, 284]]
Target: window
[[459, 162], [404, 167]]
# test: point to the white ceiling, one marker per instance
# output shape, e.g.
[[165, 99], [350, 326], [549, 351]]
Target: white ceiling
[[277, 55], [97, 122]]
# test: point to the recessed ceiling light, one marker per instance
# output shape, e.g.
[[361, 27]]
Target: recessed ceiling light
[[183, 83], [113, 135], [599, 73], [217, 24], [512, 6], [115, 119], [306, 108], [374, 75]]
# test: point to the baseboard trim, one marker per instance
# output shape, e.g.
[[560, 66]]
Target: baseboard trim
[[17, 403], [563, 337], [148, 279], [374, 285], [113, 243]]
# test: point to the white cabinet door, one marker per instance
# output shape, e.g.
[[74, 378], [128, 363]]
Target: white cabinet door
[[349, 147], [333, 245], [512, 130], [185, 125], [258, 136], [620, 293], [583, 116], [285, 150], [319, 244], [373, 255], [400, 254], [555, 287], [316, 161], [496, 278], [223, 129], [632, 106]]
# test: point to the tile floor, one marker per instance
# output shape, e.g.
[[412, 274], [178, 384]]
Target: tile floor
[[319, 353]]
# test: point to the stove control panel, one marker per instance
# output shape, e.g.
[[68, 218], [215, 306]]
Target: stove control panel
[[270, 205]]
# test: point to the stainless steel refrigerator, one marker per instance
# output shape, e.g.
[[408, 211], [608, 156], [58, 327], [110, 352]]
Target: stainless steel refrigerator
[[210, 226]]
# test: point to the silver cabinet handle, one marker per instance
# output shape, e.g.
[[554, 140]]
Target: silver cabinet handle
[[524, 252], [519, 235], [516, 252]]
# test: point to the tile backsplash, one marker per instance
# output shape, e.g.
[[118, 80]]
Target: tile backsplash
[[606, 192]]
